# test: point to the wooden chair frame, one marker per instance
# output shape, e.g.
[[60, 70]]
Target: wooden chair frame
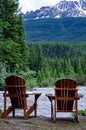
[[18, 99], [66, 97]]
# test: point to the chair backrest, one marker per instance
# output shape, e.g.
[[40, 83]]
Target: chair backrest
[[16, 90], [65, 91]]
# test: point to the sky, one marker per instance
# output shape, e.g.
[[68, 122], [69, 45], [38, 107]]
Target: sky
[[28, 5]]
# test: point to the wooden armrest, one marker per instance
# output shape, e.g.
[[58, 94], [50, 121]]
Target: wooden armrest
[[50, 97], [18, 86], [70, 89], [35, 94], [79, 96], [32, 93], [14, 95]]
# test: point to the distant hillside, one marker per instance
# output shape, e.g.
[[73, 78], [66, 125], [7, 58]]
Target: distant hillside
[[63, 29]]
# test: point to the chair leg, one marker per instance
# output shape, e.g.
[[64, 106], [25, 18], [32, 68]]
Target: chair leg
[[13, 112], [76, 117], [54, 112], [76, 114], [54, 118], [51, 109], [35, 111], [6, 112], [29, 111]]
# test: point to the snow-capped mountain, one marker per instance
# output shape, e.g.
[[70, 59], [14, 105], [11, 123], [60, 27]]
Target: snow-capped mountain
[[64, 8]]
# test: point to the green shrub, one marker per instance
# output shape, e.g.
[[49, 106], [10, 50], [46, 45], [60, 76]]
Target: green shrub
[[4, 72]]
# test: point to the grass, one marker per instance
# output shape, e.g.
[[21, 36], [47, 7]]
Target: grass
[[82, 112]]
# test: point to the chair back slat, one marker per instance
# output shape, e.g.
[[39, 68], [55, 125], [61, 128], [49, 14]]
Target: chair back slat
[[65, 91], [16, 89]]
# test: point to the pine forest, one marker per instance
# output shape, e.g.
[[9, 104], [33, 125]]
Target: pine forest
[[40, 63]]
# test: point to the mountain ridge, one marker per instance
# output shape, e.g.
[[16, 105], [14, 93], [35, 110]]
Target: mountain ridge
[[64, 8]]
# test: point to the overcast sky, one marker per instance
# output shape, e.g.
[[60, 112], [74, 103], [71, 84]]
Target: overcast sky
[[28, 5]]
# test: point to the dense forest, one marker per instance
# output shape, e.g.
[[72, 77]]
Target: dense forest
[[60, 29], [40, 63], [55, 60]]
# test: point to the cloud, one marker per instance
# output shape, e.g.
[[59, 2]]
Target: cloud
[[28, 5]]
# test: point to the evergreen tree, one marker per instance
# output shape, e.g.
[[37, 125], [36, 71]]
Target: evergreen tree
[[13, 32], [39, 76], [9, 16], [36, 58], [79, 74], [9, 52], [79, 69], [69, 72], [32, 58], [39, 59], [0, 29], [54, 73], [0, 21]]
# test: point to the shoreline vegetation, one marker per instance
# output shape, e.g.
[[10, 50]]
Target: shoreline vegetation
[[47, 62]]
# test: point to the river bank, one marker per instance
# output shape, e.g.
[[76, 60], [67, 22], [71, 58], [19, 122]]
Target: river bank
[[42, 123], [43, 120]]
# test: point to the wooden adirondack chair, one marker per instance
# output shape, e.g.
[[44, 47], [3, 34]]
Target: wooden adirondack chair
[[15, 89], [66, 97]]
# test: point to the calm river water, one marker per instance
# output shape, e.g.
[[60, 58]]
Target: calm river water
[[44, 103]]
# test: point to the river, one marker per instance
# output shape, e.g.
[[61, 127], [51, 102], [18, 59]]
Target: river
[[44, 108]]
